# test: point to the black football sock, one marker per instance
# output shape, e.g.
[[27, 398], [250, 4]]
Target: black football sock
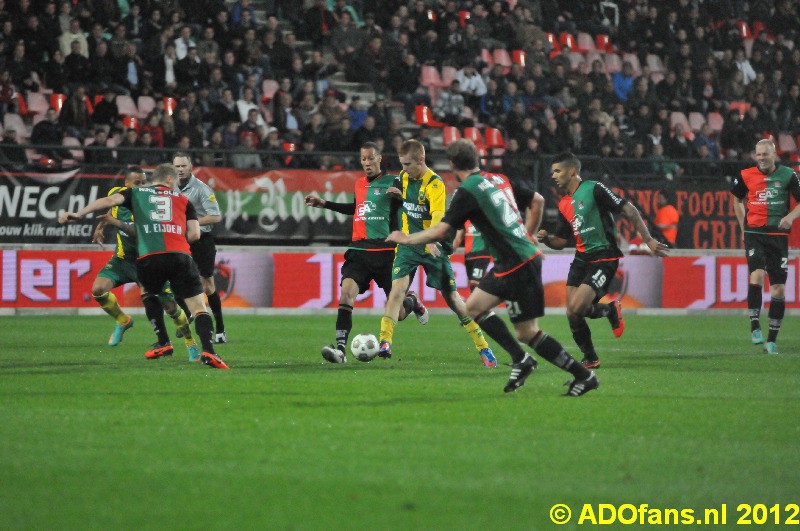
[[551, 350], [155, 314], [754, 306], [495, 328], [344, 324], [582, 335], [215, 304], [408, 305], [599, 310], [204, 328], [777, 307]]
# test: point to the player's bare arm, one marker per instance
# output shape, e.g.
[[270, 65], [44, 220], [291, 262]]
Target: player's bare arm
[[786, 221], [554, 242], [431, 235], [192, 230], [99, 236], [104, 203], [458, 239], [738, 209], [631, 213], [108, 219], [535, 214], [209, 220], [394, 192]]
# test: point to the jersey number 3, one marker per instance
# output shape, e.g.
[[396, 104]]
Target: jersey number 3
[[163, 208]]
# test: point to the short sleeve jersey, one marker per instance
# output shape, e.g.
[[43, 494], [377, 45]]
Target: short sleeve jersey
[[493, 211], [203, 199], [373, 211], [160, 215], [767, 197], [126, 246], [421, 197], [588, 216]]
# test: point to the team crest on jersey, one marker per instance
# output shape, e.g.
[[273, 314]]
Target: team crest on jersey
[[377, 191], [421, 196], [577, 223], [396, 270], [580, 205]]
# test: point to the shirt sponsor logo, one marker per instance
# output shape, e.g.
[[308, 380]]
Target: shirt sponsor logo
[[365, 208]]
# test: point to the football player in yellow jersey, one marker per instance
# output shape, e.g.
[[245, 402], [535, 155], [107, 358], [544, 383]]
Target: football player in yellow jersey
[[423, 194]]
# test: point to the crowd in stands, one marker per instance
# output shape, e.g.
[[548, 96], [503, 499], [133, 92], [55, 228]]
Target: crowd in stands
[[251, 80]]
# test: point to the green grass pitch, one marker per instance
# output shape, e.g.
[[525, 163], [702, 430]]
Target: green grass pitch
[[689, 414]]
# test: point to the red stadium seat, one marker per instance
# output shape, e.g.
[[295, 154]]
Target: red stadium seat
[[741, 106], [602, 43], [494, 138], [474, 134], [586, 42], [449, 73], [268, 88], [744, 30], [555, 47], [501, 57], [677, 117], [463, 17], [786, 143], [57, 101], [716, 121], [696, 121], [131, 122], [486, 57], [429, 77], [424, 116], [450, 134], [126, 106], [37, 103], [518, 57], [169, 105]]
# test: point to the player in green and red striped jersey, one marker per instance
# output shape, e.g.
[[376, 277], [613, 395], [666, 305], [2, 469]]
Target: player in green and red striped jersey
[[761, 202], [587, 213], [165, 223], [516, 277], [368, 256]]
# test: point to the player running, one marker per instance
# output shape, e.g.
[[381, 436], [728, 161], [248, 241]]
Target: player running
[[761, 203], [165, 222], [516, 275], [121, 268], [368, 257], [587, 212], [423, 194]]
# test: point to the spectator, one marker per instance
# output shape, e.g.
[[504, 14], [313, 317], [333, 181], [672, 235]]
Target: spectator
[[381, 113], [346, 38], [245, 157], [106, 112], [319, 23], [491, 105], [12, 152], [623, 81], [74, 116], [188, 70], [76, 67], [254, 125], [733, 138], [49, 132], [472, 85], [184, 41], [744, 65], [215, 155], [662, 166], [8, 100], [667, 217], [247, 103], [154, 129], [128, 152], [74, 34], [450, 106], [130, 72], [331, 111], [165, 79], [225, 110]]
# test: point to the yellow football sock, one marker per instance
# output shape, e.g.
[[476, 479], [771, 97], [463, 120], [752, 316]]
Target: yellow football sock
[[108, 302], [387, 329], [476, 333], [180, 320]]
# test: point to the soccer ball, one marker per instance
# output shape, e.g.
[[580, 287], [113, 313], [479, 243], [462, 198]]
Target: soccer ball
[[365, 347]]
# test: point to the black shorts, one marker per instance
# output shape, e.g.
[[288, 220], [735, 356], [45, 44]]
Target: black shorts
[[476, 267], [770, 253], [204, 252], [176, 268], [598, 275], [364, 266], [521, 289]]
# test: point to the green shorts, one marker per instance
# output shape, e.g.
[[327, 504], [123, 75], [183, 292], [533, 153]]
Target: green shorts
[[439, 271], [121, 271]]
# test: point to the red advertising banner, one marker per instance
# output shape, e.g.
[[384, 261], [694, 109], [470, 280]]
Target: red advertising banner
[[259, 278]]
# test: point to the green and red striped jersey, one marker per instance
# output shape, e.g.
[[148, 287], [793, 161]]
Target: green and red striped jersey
[[767, 197], [588, 216], [160, 215]]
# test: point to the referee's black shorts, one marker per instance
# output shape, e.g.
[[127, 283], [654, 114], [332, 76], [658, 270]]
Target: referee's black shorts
[[204, 252]]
